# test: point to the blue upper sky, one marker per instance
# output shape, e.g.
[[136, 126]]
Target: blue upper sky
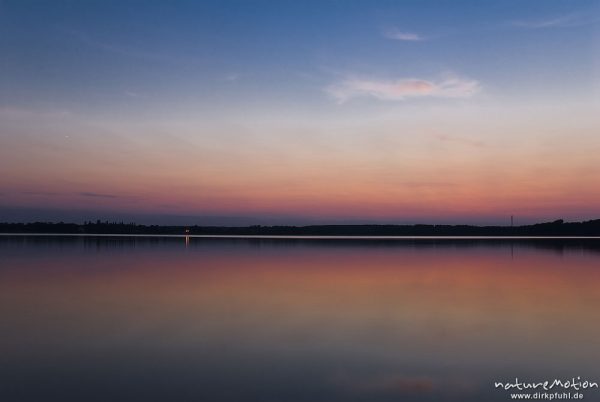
[[90, 53]]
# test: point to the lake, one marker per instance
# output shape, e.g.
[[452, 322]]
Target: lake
[[223, 319]]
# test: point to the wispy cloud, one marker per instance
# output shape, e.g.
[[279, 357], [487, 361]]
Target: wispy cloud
[[562, 21], [427, 184], [396, 34], [82, 194], [460, 140], [232, 77], [96, 195], [43, 193], [118, 49], [19, 112], [132, 94], [401, 89]]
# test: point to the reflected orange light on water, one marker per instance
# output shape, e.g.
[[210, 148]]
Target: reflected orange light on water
[[397, 309]]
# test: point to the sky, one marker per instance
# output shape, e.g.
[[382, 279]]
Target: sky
[[292, 112]]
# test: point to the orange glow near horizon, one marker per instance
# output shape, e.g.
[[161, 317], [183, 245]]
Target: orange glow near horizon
[[364, 173]]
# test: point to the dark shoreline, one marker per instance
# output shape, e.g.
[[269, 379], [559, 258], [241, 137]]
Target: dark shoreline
[[557, 228]]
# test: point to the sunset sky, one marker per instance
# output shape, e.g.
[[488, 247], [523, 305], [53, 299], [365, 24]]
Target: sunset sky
[[263, 112]]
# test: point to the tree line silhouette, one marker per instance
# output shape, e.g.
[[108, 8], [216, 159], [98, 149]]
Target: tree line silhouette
[[556, 228]]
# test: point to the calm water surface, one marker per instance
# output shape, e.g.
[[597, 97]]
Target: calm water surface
[[170, 319]]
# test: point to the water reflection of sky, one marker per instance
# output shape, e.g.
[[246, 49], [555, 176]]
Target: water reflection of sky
[[266, 320]]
